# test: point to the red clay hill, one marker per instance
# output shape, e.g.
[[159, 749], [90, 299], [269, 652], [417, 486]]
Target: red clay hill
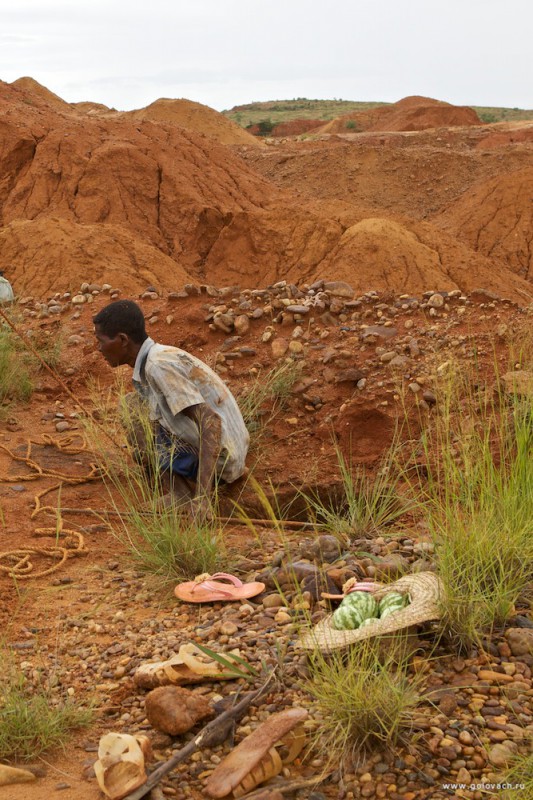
[[410, 114], [139, 198]]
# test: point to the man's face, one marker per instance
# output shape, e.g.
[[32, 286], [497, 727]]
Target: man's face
[[113, 350]]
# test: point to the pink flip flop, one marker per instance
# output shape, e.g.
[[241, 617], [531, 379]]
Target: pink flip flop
[[210, 588]]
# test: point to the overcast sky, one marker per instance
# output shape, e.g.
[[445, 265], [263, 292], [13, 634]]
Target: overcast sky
[[127, 53]]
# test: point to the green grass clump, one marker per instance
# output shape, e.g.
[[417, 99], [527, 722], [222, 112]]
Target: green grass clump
[[479, 504], [272, 388], [32, 720], [16, 381], [18, 365], [520, 776], [367, 504], [165, 543], [364, 699]]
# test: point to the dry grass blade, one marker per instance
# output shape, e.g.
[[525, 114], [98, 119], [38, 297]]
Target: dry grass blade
[[368, 504]]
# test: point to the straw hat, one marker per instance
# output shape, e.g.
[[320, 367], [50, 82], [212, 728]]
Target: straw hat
[[424, 590]]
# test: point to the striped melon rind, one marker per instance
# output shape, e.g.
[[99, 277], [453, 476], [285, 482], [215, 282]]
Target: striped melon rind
[[369, 621], [391, 603], [344, 619], [354, 609]]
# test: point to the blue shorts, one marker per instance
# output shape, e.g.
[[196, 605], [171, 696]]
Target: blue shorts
[[180, 459]]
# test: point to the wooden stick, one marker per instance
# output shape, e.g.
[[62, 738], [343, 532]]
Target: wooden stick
[[180, 755], [264, 523], [270, 523]]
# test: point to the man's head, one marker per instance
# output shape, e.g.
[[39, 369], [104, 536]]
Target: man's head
[[120, 332]]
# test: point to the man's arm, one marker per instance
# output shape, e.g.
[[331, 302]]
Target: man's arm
[[210, 431]]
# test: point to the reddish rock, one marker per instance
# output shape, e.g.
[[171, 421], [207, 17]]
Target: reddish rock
[[173, 710]]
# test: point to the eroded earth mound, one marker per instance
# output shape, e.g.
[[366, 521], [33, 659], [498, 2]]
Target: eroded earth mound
[[138, 199], [195, 117], [409, 114]]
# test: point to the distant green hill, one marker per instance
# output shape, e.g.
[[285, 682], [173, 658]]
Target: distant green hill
[[301, 108], [276, 111]]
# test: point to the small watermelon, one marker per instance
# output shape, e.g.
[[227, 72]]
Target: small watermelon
[[344, 619], [369, 621], [363, 603], [391, 603], [354, 609]]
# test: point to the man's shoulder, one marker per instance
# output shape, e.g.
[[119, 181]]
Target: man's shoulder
[[165, 358], [165, 352]]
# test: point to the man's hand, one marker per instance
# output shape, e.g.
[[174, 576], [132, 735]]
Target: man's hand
[[201, 510]]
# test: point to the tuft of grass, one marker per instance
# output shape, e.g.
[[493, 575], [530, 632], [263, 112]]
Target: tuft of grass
[[18, 365], [272, 388], [478, 498], [367, 505], [49, 346], [31, 719], [166, 544], [365, 700], [16, 381], [519, 776], [159, 537]]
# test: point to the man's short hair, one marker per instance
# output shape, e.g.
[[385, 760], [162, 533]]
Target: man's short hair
[[122, 316]]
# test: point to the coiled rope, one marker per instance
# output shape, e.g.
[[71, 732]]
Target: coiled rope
[[18, 563]]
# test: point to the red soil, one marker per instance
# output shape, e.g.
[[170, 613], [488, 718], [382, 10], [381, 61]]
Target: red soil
[[409, 114], [195, 117], [107, 197], [495, 217]]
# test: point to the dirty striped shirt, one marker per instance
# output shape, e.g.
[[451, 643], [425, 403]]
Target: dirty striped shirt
[[171, 380]]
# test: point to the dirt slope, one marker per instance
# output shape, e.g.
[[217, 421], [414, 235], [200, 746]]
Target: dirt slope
[[390, 255], [195, 117], [417, 174], [87, 107], [39, 251], [34, 92], [495, 218]]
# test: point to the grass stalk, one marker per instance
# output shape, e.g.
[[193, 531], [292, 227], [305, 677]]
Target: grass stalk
[[368, 504], [478, 499]]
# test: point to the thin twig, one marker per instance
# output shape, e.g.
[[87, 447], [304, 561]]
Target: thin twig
[[269, 523], [265, 523], [194, 744]]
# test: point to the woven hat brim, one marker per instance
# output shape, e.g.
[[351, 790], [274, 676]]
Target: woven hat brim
[[425, 592]]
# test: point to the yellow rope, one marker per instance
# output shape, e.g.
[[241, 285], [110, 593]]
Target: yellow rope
[[17, 562], [22, 568]]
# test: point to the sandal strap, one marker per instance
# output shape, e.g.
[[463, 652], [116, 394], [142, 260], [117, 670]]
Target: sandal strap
[[217, 587], [231, 578], [361, 587]]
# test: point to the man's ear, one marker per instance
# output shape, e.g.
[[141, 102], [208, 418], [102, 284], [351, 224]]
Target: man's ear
[[124, 339]]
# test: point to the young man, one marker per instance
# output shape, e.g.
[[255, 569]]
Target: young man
[[199, 429]]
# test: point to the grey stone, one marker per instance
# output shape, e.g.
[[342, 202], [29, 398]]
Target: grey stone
[[520, 641], [436, 301]]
